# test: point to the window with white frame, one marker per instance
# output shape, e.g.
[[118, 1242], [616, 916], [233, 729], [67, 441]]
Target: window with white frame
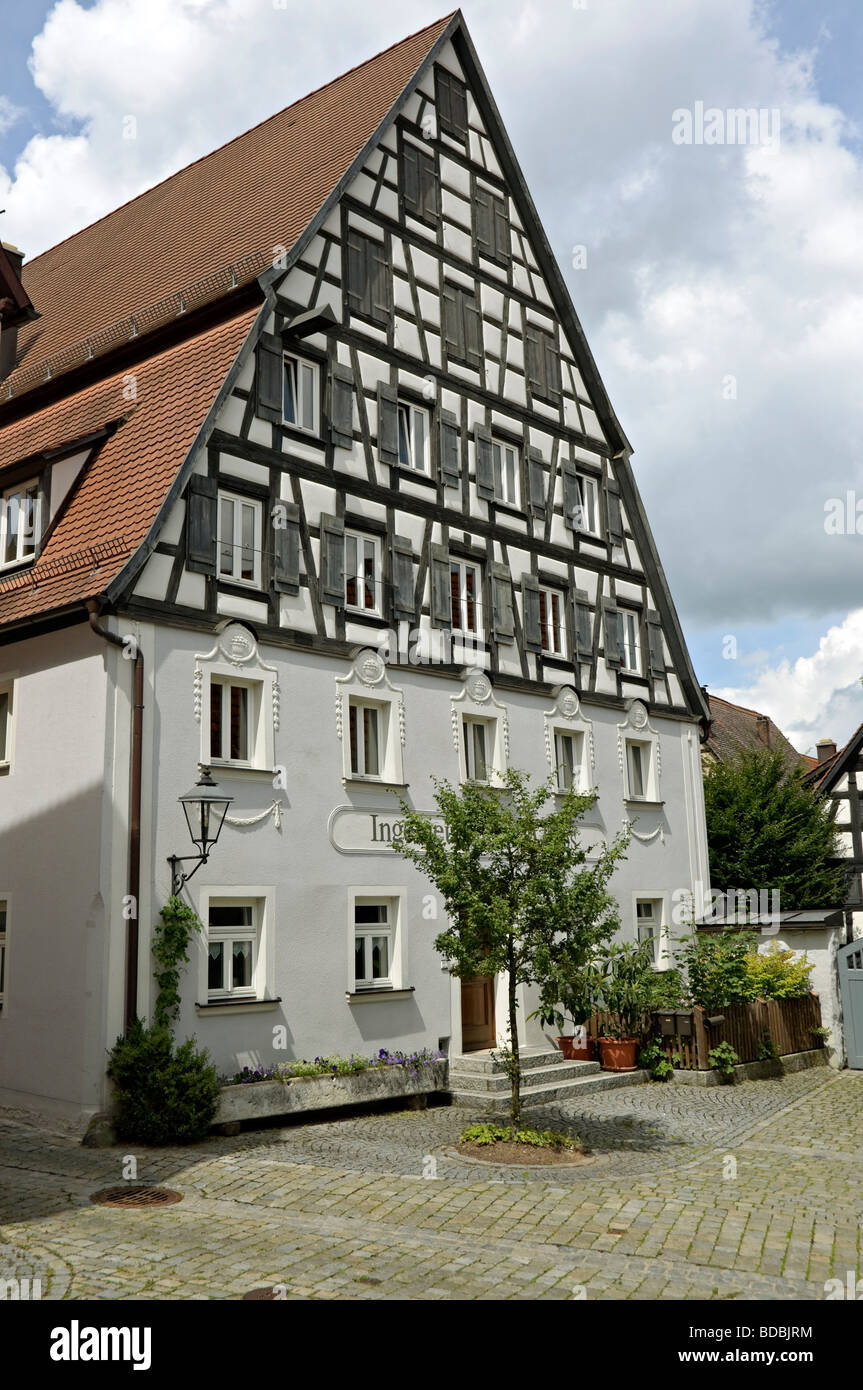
[[568, 755], [505, 465], [629, 629], [374, 942], [240, 522], [6, 694], [233, 948], [19, 523], [367, 724], [4, 932], [648, 927], [639, 769], [478, 748], [301, 402], [362, 572], [466, 597], [413, 424], [586, 517], [551, 621], [234, 712]]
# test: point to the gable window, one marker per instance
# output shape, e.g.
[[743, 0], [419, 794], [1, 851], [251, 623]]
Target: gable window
[[368, 279], [465, 596], [491, 225], [451, 103], [233, 709], [638, 767], [374, 924], [551, 620], [301, 394], [232, 948], [630, 644], [478, 735], [413, 437], [4, 920], [240, 539], [649, 927], [542, 364], [419, 183], [5, 726], [19, 523], [505, 465], [367, 727], [567, 759], [586, 511], [362, 572], [462, 325]]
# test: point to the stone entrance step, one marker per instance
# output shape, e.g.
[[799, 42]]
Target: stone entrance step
[[477, 1079], [487, 1062], [498, 1082]]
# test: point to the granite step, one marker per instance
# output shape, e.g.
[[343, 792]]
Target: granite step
[[486, 1062], [498, 1082], [563, 1093]]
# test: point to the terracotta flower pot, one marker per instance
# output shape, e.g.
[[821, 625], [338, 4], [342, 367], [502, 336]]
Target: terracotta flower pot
[[567, 1047], [618, 1054]]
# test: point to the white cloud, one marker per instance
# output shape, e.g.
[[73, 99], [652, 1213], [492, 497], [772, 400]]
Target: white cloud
[[10, 114]]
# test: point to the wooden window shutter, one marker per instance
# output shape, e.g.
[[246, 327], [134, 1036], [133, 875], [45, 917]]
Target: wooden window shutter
[[357, 282], [201, 524], [655, 649], [571, 496], [286, 548], [452, 321], [534, 362], [379, 280], [583, 626], [502, 245], [404, 605], [342, 406], [441, 591], [503, 618], [472, 330], [270, 378], [388, 423], [458, 107], [443, 99], [614, 651], [615, 519], [450, 449], [484, 463], [411, 190], [429, 187], [553, 382], [332, 559], [484, 221], [536, 482], [530, 606], [451, 99]]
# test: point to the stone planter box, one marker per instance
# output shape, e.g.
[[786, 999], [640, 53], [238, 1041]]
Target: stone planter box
[[259, 1100]]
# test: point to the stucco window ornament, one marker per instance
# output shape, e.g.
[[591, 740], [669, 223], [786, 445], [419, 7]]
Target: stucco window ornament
[[640, 760], [274, 810], [236, 647], [369, 672], [568, 715], [476, 699]]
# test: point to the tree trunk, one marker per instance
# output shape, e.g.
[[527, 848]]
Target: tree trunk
[[515, 1073]]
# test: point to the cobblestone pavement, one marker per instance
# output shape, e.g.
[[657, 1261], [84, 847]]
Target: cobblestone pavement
[[741, 1193]]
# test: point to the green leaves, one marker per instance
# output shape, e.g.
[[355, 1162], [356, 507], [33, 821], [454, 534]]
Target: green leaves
[[171, 938]]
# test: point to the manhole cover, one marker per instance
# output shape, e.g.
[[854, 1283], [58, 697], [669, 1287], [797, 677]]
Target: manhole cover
[[139, 1196], [260, 1293], [366, 1279]]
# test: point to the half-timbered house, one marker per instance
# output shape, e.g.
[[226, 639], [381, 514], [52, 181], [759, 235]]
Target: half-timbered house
[[309, 476]]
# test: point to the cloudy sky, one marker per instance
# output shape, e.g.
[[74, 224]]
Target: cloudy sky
[[721, 286]]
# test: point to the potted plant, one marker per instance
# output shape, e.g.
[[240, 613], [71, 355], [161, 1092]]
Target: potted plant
[[577, 989], [628, 971]]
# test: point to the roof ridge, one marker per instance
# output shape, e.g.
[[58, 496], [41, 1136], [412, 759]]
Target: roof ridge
[[242, 134], [745, 709]]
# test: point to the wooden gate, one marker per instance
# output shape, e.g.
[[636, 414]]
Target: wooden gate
[[850, 960]]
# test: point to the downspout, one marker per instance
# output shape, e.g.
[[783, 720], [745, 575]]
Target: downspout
[[134, 881]]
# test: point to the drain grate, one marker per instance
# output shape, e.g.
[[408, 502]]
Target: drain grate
[[260, 1293], [136, 1196], [366, 1279]]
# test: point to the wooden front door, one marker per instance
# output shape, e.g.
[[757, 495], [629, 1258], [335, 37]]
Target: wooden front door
[[477, 1013]]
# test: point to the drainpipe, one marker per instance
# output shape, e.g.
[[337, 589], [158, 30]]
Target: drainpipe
[[94, 607]]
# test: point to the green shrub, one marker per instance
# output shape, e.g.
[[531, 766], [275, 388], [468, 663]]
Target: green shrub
[[767, 1049], [504, 1134], [162, 1094], [668, 990], [653, 1058], [723, 1059], [716, 964], [775, 974]]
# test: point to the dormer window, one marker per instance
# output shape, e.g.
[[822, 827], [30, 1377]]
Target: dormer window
[[19, 523]]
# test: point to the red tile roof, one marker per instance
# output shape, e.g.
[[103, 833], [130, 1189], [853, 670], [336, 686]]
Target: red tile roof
[[735, 729]]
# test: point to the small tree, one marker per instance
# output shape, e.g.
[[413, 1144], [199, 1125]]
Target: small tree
[[515, 884], [767, 828]]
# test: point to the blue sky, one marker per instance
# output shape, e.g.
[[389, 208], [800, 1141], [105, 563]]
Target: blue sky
[[704, 265]]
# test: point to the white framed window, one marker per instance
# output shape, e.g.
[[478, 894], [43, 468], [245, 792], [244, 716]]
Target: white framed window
[[236, 955], [19, 523], [4, 949], [466, 597], [629, 629], [7, 711], [639, 769], [239, 542], [586, 517], [568, 759], [413, 424], [301, 395], [376, 946], [506, 470], [478, 748], [234, 716], [362, 572], [649, 926], [367, 729], [551, 630]]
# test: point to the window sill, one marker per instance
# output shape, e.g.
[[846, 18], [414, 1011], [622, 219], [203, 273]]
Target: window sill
[[416, 475], [375, 782], [644, 801], [237, 770], [225, 1006], [362, 996]]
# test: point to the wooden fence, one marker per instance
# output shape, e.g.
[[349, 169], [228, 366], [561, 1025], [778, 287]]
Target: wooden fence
[[689, 1032]]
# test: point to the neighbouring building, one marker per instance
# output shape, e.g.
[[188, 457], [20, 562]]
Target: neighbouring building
[[734, 729], [324, 385]]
